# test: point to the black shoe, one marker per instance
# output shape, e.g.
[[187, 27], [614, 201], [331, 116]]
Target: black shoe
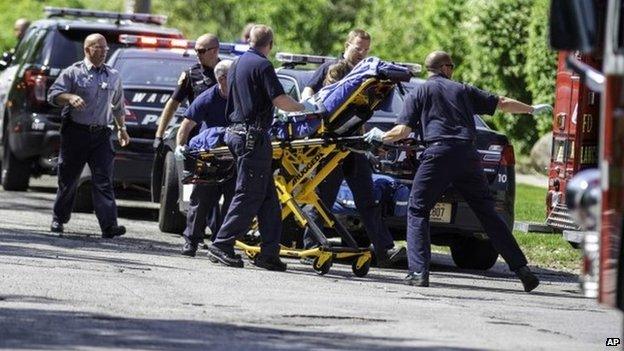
[[396, 254], [56, 227], [417, 279], [272, 263], [529, 280], [217, 255], [189, 249], [113, 231]]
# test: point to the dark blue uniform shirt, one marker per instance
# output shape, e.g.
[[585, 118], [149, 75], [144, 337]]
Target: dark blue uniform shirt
[[253, 86], [444, 109], [318, 77], [208, 107], [193, 82]]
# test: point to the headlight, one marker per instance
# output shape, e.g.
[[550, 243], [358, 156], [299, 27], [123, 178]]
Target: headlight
[[583, 198]]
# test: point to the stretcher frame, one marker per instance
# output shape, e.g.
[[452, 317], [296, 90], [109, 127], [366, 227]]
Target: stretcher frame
[[305, 163]]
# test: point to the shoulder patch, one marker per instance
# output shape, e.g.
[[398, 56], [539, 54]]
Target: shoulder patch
[[182, 78]]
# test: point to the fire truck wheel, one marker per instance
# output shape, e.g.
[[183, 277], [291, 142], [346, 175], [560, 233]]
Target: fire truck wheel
[[473, 253], [170, 219]]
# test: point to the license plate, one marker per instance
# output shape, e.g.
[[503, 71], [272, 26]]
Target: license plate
[[441, 213]]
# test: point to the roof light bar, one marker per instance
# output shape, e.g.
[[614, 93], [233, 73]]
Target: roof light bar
[[134, 17], [286, 57], [156, 42], [233, 48]]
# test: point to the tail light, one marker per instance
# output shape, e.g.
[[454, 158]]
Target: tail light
[[508, 157], [36, 86]]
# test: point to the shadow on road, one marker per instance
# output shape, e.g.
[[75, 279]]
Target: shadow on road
[[29, 328]]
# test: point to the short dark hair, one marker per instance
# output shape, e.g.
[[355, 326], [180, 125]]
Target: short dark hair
[[436, 59], [358, 33], [260, 36]]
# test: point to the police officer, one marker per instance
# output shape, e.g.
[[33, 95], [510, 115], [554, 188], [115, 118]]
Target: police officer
[[355, 169], [442, 110], [207, 108], [192, 82], [87, 90], [254, 90]]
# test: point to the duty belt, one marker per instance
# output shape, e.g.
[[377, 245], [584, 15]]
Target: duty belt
[[241, 128], [449, 142], [91, 128]]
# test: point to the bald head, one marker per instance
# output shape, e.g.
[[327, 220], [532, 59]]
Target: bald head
[[93, 39], [439, 62], [20, 26], [207, 40], [261, 36]]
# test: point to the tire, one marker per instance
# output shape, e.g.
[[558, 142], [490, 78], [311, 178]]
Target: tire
[[170, 219], [84, 199], [472, 253], [15, 173]]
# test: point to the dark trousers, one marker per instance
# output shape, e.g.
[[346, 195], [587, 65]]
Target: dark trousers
[[80, 147], [460, 165], [254, 195], [356, 170], [204, 210]]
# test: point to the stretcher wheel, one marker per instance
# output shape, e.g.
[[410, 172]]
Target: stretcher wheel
[[322, 269], [250, 254], [361, 271]]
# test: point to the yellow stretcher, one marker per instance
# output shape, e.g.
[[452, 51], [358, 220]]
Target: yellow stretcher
[[302, 164]]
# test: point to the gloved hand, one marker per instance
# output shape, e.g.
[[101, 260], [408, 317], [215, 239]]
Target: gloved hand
[[309, 106], [541, 108], [374, 135], [157, 142], [179, 152]]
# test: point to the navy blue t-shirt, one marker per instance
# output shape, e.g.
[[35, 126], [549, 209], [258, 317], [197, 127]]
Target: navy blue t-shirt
[[208, 107], [253, 86], [445, 109], [318, 77]]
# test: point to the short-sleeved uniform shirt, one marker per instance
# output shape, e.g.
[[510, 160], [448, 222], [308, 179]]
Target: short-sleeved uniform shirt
[[193, 82], [444, 109], [209, 108], [318, 77], [99, 87], [253, 86]]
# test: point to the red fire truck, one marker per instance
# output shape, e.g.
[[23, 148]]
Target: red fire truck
[[592, 32]]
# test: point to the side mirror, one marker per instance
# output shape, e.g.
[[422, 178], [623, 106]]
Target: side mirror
[[573, 25], [583, 195], [7, 58]]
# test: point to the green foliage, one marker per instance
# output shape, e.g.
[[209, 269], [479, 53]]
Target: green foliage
[[498, 46], [541, 63]]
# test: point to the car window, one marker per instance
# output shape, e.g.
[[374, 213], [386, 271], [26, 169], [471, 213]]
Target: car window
[[67, 47], [290, 86], [25, 45], [151, 71]]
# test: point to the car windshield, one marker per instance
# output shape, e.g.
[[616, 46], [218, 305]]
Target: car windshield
[[151, 71], [67, 47]]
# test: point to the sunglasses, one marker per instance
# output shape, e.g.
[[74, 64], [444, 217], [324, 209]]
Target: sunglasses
[[203, 51], [449, 65]]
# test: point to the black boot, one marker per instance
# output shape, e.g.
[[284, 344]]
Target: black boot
[[529, 280]]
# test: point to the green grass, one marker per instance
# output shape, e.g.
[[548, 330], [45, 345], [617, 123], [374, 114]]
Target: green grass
[[543, 250]]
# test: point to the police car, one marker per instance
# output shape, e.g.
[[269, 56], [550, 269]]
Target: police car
[[29, 125], [453, 223]]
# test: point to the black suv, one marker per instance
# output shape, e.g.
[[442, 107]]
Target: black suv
[[29, 125]]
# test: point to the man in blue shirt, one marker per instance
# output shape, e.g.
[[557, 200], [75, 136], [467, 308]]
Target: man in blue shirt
[[442, 111], [87, 90], [254, 90], [208, 108]]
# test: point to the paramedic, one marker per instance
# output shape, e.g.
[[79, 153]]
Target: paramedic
[[442, 111], [254, 91]]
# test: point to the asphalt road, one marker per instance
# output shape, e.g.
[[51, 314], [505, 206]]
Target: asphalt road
[[136, 292]]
